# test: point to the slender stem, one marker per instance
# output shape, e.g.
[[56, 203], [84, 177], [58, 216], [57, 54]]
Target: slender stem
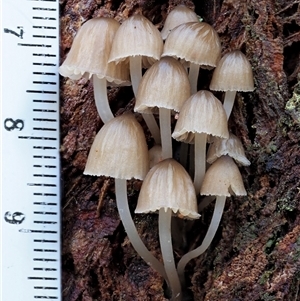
[[192, 161], [228, 102], [200, 160], [137, 243], [165, 132], [153, 127], [136, 76], [135, 64], [205, 202], [164, 222], [184, 149], [193, 77], [213, 227], [100, 95]]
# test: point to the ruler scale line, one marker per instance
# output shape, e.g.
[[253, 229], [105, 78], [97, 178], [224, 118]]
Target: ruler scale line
[[30, 214]]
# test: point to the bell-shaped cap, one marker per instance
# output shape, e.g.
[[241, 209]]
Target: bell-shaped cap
[[168, 185], [155, 155], [223, 178], [232, 147], [90, 51], [195, 42], [179, 15], [119, 150], [137, 36], [201, 113], [164, 85], [233, 73]]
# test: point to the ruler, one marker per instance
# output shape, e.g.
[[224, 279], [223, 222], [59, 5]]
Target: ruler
[[30, 168]]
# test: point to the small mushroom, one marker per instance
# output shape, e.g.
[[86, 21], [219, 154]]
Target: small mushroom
[[196, 43], [179, 15], [88, 58], [232, 147], [233, 73], [155, 155], [165, 85], [120, 151], [201, 114], [168, 188], [138, 42], [221, 179]]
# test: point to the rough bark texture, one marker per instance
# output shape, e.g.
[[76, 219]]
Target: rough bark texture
[[256, 253]]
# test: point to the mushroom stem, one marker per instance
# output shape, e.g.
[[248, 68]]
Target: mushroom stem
[[135, 63], [164, 222], [193, 77], [184, 149], [152, 126], [100, 95], [136, 76], [200, 160], [137, 243], [165, 132], [212, 229], [228, 102]]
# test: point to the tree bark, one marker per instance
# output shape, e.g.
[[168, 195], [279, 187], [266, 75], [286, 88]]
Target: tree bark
[[256, 253]]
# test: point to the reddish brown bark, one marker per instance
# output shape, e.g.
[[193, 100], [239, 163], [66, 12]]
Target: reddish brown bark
[[255, 255]]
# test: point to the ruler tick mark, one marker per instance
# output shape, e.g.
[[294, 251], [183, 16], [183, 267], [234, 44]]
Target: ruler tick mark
[[44, 259], [43, 27], [45, 250], [41, 278], [43, 18], [44, 64], [37, 138], [45, 297], [44, 73], [45, 241], [45, 213], [45, 223], [44, 8], [41, 91], [44, 83], [34, 45], [45, 204]]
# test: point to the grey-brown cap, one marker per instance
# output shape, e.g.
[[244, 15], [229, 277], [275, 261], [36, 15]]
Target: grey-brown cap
[[223, 178], [119, 150], [90, 51], [164, 85], [233, 73], [179, 15], [232, 147], [137, 36], [195, 42], [155, 155], [201, 113], [168, 185]]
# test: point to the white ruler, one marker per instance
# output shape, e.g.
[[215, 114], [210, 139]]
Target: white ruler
[[29, 133]]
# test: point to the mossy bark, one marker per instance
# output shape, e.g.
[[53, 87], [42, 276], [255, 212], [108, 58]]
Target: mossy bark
[[256, 253]]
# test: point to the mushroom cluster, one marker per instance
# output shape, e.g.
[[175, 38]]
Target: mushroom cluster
[[114, 54]]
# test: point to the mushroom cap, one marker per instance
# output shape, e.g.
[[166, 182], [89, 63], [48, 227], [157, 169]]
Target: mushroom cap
[[201, 113], [223, 178], [168, 185], [155, 155], [137, 36], [194, 42], [232, 147], [90, 51], [179, 15], [233, 73], [119, 150], [164, 85]]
